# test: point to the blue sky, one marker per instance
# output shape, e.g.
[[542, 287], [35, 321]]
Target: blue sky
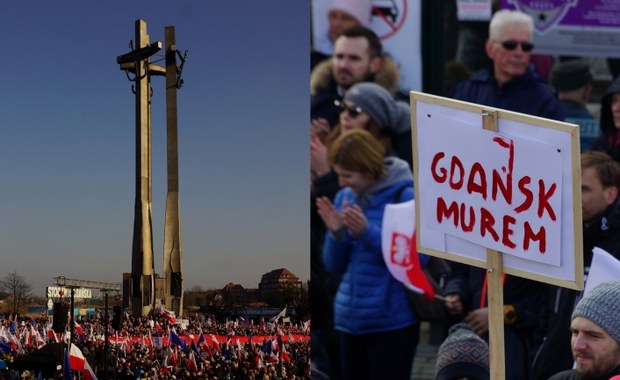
[[67, 143]]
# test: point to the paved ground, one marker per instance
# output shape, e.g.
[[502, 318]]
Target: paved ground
[[424, 363]]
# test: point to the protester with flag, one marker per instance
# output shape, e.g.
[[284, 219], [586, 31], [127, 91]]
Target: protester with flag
[[370, 308], [136, 351]]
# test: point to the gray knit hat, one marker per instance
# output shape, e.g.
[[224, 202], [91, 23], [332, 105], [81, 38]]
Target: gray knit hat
[[380, 105], [601, 305], [462, 354]]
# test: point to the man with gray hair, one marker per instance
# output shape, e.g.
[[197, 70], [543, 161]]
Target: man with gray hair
[[511, 82], [595, 338]]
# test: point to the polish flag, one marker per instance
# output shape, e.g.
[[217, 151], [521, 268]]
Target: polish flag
[[284, 355], [169, 315], [399, 248], [78, 328], [79, 363], [191, 362], [215, 344]]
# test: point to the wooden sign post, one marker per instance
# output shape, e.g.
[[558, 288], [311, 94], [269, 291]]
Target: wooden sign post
[[495, 268], [498, 190]]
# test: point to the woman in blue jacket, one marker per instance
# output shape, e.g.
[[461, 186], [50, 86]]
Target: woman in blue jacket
[[379, 330]]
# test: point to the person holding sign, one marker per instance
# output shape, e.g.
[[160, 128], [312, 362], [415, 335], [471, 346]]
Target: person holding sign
[[511, 82], [379, 331], [600, 203], [595, 329]]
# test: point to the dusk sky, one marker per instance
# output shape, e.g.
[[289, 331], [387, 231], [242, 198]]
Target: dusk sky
[[68, 132]]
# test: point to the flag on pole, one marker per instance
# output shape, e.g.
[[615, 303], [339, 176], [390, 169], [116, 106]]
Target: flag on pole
[[216, 344], [281, 314], [79, 363], [196, 350], [201, 339], [169, 315], [66, 367], [78, 328], [191, 363], [175, 339], [400, 253]]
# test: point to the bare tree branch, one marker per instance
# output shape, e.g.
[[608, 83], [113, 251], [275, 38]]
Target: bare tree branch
[[17, 288]]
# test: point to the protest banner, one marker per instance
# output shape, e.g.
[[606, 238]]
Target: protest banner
[[498, 190], [569, 27]]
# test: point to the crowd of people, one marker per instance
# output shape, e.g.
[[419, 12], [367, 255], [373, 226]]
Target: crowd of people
[[356, 117], [157, 347]]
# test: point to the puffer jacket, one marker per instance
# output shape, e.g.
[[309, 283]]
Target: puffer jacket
[[369, 299]]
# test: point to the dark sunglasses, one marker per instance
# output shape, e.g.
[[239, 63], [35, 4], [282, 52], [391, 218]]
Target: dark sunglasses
[[512, 44], [353, 111]]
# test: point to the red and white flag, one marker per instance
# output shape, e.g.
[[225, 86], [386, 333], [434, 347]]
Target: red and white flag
[[400, 253], [191, 362], [78, 362], [169, 315], [78, 328], [215, 343]]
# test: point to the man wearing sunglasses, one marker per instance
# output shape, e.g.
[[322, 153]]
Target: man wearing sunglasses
[[511, 82]]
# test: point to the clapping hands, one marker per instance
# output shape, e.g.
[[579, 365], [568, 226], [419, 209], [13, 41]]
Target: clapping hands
[[351, 217]]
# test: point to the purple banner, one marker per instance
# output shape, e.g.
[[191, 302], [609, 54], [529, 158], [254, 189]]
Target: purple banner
[[591, 27]]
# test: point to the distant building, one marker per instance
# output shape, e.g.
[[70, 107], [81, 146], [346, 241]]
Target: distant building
[[273, 283], [235, 293]]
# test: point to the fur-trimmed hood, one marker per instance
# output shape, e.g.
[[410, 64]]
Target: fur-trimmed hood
[[321, 78]]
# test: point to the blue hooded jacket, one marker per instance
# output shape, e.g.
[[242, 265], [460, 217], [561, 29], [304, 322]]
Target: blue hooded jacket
[[369, 298]]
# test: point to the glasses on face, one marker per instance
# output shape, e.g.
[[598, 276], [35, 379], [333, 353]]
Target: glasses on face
[[512, 44], [353, 111]]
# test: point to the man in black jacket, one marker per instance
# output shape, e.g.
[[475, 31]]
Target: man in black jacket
[[595, 341], [600, 185]]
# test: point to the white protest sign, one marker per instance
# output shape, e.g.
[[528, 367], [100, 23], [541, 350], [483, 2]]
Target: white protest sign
[[604, 267], [504, 194], [516, 191]]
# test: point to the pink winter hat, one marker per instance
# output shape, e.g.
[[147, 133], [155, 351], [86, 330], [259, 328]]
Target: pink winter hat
[[360, 9]]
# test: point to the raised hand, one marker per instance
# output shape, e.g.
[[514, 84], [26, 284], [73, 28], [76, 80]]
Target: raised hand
[[332, 218], [355, 220]]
